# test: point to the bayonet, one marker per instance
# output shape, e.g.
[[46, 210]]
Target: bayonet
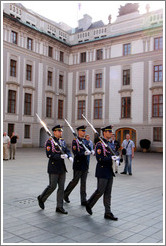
[[49, 133], [75, 135], [114, 157]]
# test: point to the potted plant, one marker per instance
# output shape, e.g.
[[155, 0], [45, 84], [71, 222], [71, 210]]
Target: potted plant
[[145, 144]]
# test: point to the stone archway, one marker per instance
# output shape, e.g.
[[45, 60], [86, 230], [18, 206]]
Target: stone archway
[[43, 137]]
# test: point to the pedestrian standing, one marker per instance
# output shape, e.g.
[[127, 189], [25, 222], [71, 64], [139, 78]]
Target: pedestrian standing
[[56, 169], [13, 141], [6, 145], [128, 149], [80, 166], [104, 174], [115, 146]]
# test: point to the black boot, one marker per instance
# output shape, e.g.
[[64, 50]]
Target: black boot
[[88, 209], [61, 210], [41, 203], [110, 216], [66, 198]]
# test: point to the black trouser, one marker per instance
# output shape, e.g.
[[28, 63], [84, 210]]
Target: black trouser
[[104, 187], [55, 179], [82, 175]]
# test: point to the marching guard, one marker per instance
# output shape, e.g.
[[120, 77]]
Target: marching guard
[[80, 165], [56, 169], [104, 174]]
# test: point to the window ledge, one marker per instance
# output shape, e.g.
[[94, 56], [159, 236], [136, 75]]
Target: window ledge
[[125, 90], [156, 86], [98, 92], [12, 114], [129, 118], [81, 94], [29, 86]]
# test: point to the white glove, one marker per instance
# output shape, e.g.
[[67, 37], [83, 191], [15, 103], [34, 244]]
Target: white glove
[[114, 157], [64, 156], [117, 163], [87, 152], [93, 152], [71, 159]]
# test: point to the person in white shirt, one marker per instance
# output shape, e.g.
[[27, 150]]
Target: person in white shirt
[[6, 144]]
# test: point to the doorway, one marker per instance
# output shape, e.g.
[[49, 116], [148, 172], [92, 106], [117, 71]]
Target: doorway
[[10, 129], [121, 135]]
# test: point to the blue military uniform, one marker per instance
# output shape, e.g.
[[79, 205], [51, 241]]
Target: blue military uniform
[[80, 169], [80, 159], [115, 146], [104, 161], [104, 174], [56, 164], [56, 170]]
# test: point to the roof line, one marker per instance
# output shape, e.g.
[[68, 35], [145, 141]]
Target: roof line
[[84, 42]]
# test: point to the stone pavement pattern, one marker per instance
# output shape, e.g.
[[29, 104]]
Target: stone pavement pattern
[[137, 201]]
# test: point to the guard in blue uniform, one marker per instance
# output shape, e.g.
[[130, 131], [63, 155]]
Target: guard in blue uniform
[[56, 169], [116, 147], [104, 174], [80, 166]]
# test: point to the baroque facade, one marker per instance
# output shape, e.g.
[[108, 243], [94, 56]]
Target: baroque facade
[[112, 73]]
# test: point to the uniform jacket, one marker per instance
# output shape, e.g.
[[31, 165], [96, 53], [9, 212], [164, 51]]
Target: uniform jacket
[[56, 164], [115, 146], [104, 161], [80, 159]]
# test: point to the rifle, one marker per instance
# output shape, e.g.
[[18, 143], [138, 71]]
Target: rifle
[[75, 135], [49, 133], [114, 157]]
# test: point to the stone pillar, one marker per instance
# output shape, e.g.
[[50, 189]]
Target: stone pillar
[[94, 55], [104, 53], [40, 89]]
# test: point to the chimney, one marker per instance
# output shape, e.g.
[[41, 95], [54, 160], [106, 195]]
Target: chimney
[[85, 22], [109, 19], [147, 8]]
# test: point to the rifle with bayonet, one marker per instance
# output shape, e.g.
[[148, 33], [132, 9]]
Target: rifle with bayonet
[[114, 157], [75, 135], [49, 133]]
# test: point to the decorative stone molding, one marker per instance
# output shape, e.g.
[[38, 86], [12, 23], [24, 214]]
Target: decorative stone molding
[[156, 87], [29, 87], [12, 83], [81, 94], [125, 90]]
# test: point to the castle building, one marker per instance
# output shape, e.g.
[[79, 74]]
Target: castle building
[[113, 74]]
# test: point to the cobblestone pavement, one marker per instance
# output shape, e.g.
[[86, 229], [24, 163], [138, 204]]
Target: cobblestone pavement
[[137, 201]]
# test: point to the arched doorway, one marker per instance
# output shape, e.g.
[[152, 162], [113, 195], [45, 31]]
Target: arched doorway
[[121, 134], [43, 137]]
